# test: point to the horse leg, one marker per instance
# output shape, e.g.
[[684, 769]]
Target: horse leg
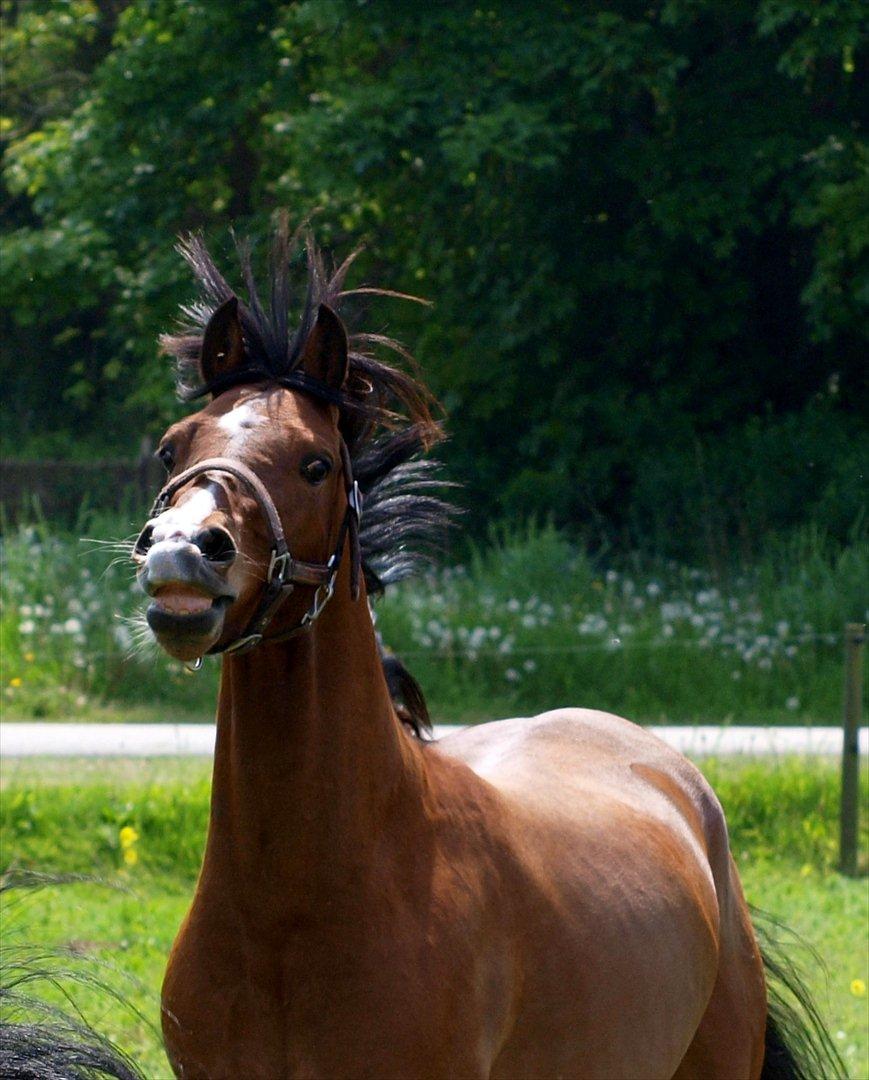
[[729, 1042]]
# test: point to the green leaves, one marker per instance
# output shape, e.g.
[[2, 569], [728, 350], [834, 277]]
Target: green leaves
[[640, 228]]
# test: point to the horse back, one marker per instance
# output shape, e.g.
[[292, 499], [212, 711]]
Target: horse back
[[624, 893]]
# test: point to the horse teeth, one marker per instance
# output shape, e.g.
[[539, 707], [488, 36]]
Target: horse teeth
[[180, 601]]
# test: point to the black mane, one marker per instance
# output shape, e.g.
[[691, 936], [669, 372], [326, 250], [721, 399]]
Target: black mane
[[385, 413]]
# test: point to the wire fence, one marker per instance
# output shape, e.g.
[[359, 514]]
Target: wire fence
[[613, 645], [58, 490]]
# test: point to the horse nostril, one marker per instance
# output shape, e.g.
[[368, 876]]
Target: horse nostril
[[216, 545], [146, 539]]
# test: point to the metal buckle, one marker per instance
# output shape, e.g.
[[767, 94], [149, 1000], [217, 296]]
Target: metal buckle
[[321, 598], [281, 564], [244, 643]]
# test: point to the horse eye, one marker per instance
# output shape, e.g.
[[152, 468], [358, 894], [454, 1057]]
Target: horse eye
[[166, 455], [316, 470]]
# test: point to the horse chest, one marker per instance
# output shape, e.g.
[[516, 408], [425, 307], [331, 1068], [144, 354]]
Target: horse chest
[[317, 1004]]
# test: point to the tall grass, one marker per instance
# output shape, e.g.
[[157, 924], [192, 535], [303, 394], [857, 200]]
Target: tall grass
[[71, 630], [525, 623]]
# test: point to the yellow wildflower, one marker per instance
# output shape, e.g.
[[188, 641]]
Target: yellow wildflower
[[128, 836], [16, 682], [858, 988], [131, 856], [29, 657]]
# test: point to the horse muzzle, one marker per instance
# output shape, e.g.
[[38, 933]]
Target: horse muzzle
[[187, 583]]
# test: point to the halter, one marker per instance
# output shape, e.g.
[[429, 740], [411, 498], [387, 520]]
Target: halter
[[284, 572]]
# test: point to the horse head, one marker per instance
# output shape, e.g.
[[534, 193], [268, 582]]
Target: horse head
[[259, 502]]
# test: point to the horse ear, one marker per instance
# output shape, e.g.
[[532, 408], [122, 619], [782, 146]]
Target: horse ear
[[222, 343], [324, 356]]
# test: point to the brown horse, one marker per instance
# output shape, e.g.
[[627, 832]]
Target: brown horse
[[539, 897]]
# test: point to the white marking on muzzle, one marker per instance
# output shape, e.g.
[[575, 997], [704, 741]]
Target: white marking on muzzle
[[183, 521]]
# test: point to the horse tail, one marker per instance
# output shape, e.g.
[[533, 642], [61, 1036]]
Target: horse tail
[[797, 1044], [39, 1041], [46, 1051]]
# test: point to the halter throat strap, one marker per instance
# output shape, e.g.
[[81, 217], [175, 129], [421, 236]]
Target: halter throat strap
[[284, 571]]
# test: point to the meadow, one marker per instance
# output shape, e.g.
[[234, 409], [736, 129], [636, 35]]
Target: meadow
[[524, 622], [134, 829]]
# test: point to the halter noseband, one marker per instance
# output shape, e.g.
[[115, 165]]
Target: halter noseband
[[284, 572]]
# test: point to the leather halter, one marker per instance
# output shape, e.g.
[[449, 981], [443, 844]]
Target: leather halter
[[284, 572]]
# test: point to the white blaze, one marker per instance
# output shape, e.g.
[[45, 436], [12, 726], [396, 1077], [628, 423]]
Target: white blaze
[[184, 520], [238, 421]]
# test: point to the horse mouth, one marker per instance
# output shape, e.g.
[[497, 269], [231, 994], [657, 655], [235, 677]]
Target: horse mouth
[[185, 618]]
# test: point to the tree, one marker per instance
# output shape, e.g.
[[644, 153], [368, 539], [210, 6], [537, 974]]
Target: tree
[[644, 229]]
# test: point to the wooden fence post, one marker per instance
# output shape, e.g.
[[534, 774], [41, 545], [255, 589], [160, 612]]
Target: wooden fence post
[[855, 636]]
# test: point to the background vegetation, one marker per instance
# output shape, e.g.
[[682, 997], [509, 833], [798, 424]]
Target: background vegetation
[[526, 621], [645, 228]]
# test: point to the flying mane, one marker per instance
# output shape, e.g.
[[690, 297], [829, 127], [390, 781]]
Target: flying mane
[[385, 414]]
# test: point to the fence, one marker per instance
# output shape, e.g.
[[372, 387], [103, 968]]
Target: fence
[[855, 638], [60, 490]]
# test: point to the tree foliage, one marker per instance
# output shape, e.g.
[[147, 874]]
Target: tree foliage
[[644, 227]]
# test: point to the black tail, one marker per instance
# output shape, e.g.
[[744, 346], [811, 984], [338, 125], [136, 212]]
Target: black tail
[[61, 1049], [40, 1041], [798, 1046]]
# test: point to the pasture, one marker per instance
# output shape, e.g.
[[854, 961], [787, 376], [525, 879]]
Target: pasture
[[67, 816], [653, 640], [525, 622], [650, 639]]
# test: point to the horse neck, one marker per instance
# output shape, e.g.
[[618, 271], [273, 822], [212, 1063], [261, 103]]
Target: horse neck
[[311, 763]]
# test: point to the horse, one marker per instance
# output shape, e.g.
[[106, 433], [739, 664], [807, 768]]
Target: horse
[[540, 897]]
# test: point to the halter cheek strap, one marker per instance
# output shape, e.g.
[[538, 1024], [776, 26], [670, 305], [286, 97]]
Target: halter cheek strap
[[284, 572]]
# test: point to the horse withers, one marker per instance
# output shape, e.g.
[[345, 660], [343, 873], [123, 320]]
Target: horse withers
[[538, 897]]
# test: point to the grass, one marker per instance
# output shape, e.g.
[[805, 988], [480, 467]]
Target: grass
[[67, 816], [526, 623]]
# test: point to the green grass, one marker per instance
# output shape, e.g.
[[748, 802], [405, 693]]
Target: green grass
[[527, 623], [66, 816]]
